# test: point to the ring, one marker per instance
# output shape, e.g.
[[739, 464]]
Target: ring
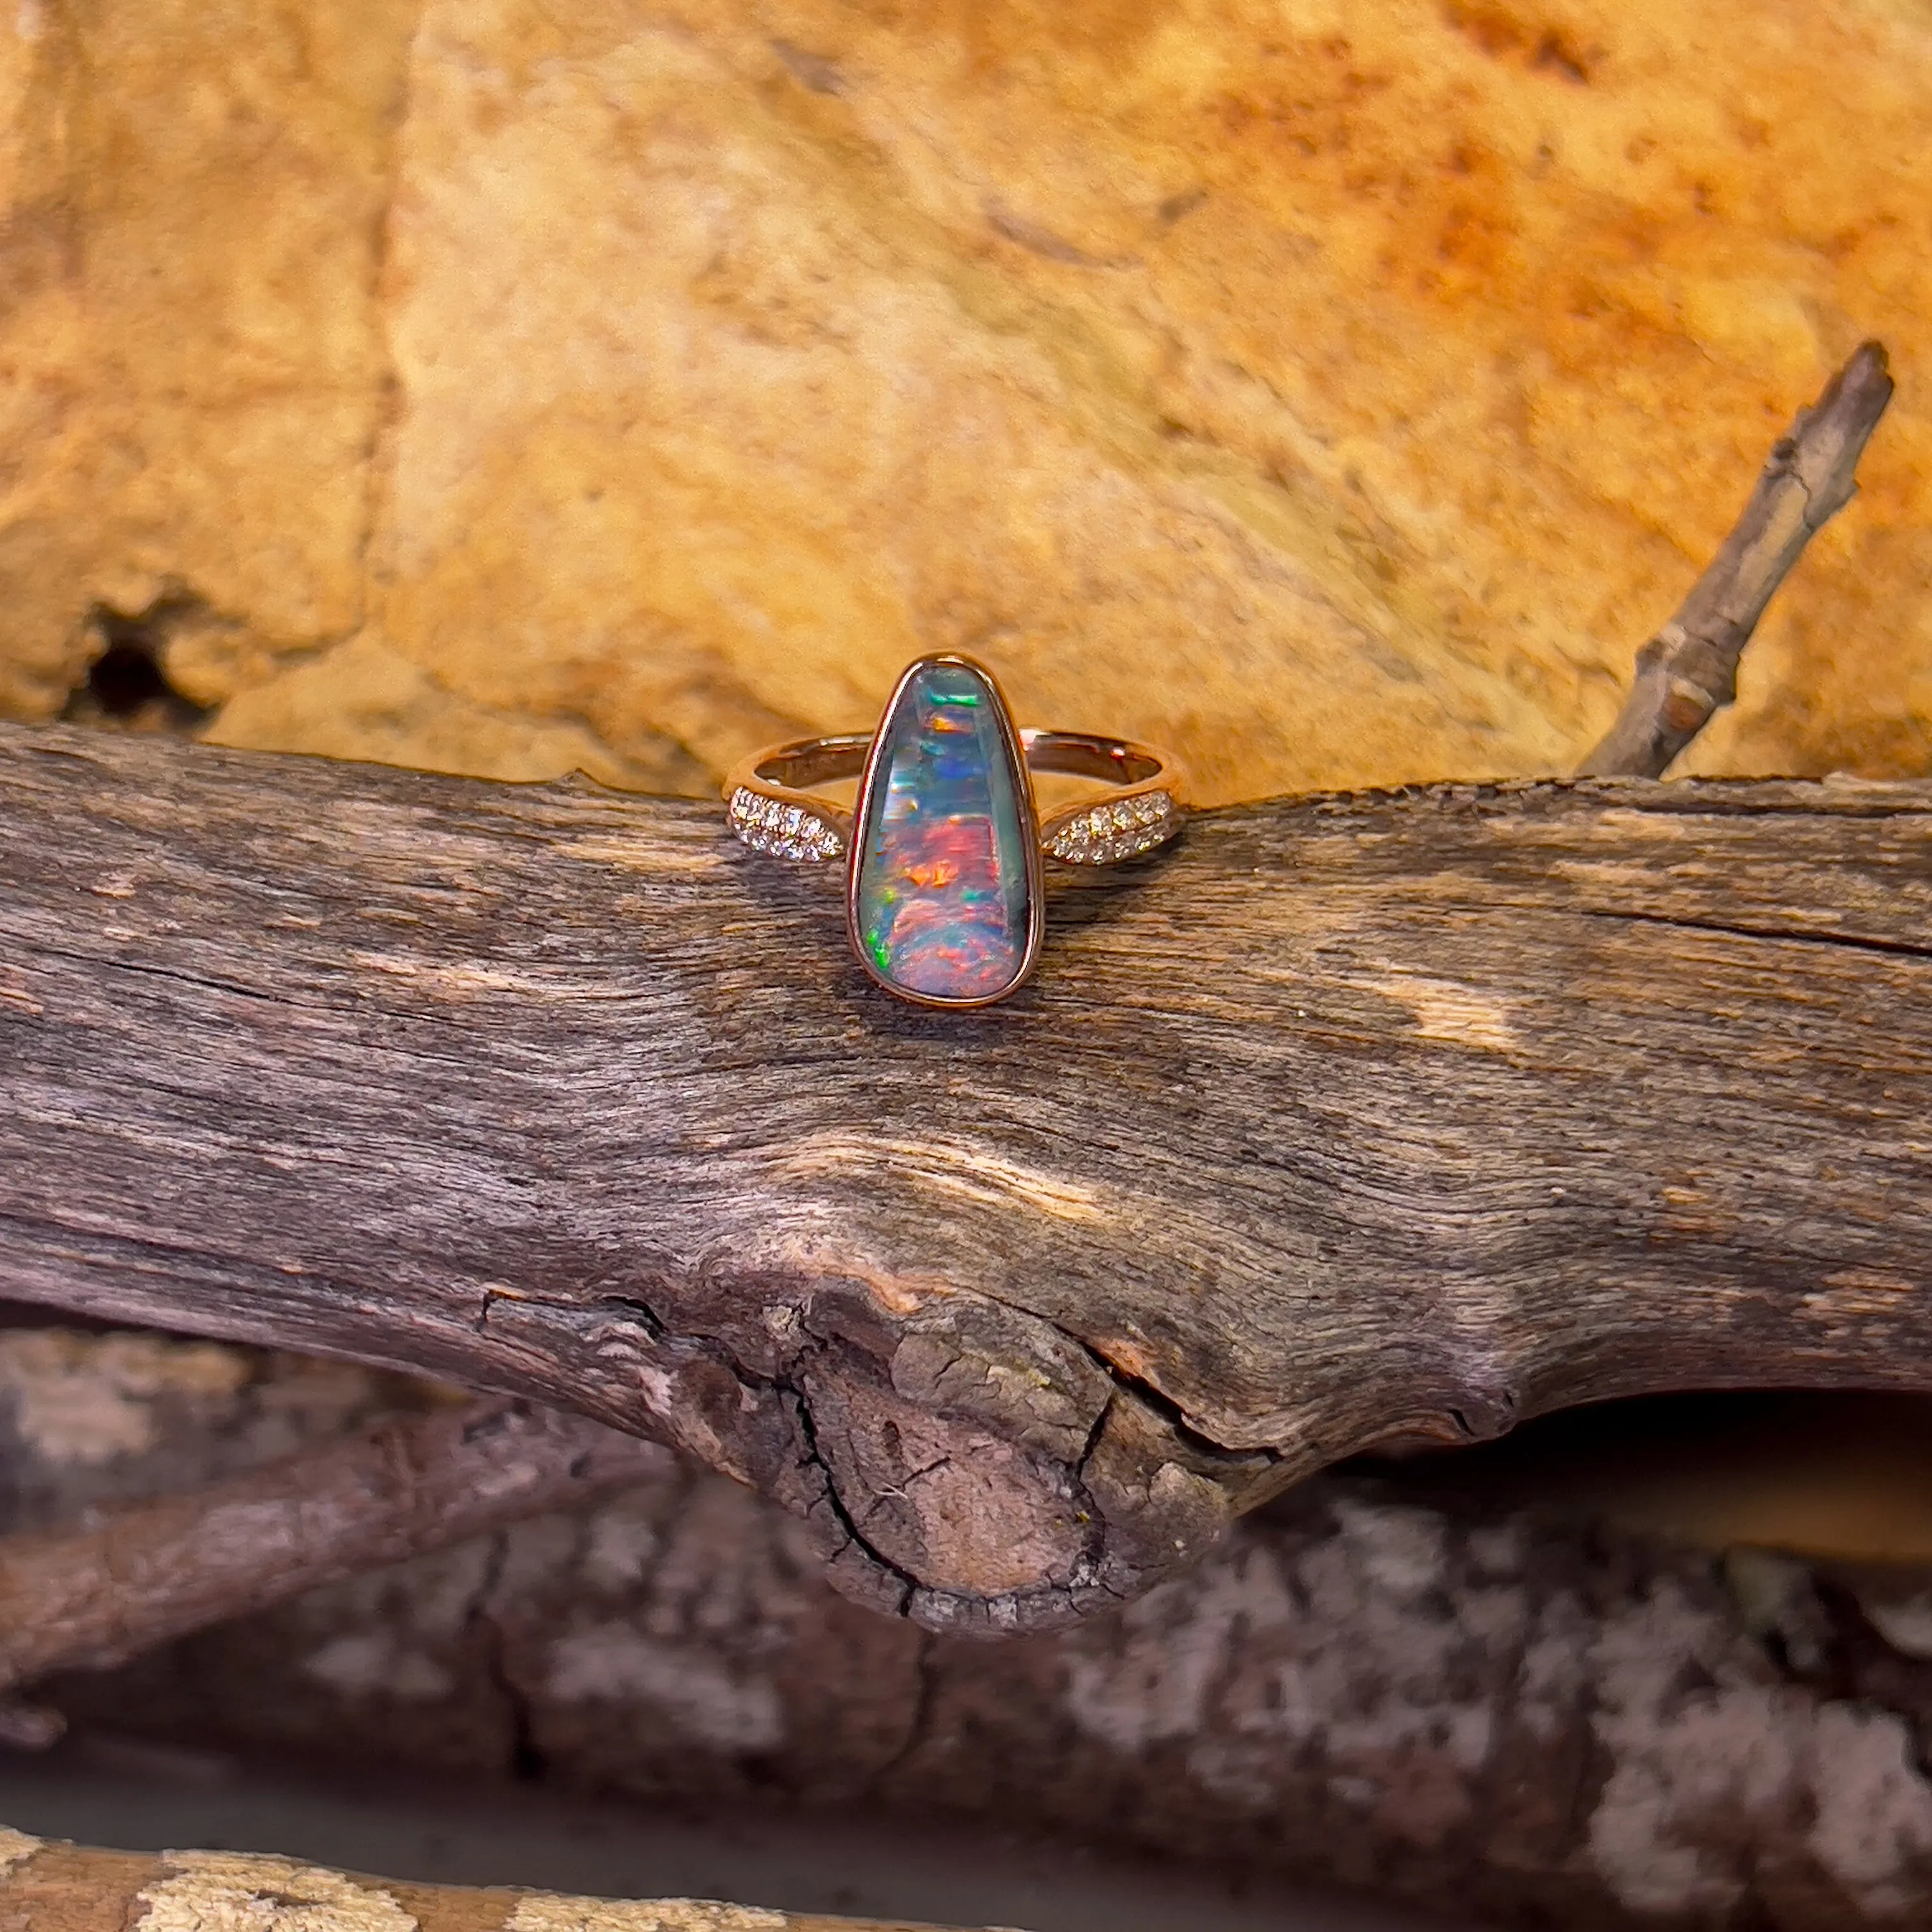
[[944, 841]]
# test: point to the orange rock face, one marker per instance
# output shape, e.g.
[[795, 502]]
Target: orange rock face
[[1337, 393]]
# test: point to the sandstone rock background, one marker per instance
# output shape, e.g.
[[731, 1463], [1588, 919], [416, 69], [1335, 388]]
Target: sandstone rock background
[[1338, 392]]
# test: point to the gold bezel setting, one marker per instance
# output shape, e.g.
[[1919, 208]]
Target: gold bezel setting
[[773, 804]]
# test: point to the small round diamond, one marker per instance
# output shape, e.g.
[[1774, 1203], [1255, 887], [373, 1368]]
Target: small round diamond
[[788, 831], [1117, 829]]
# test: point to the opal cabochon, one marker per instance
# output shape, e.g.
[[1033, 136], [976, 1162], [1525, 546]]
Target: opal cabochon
[[943, 895]]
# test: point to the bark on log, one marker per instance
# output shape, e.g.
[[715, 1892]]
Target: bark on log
[[128, 1580], [1356, 1117], [1376, 1680], [50, 1887]]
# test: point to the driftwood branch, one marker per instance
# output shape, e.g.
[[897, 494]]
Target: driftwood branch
[[48, 1884], [1689, 670], [1354, 1119], [128, 1579]]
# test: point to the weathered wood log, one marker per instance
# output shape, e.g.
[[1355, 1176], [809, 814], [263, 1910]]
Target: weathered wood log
[[125, 1580], [1384, 1678], [1353, 1118], [50, 1887]]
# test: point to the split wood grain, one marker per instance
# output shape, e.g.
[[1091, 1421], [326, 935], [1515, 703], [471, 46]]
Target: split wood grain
[[1351, 1118]]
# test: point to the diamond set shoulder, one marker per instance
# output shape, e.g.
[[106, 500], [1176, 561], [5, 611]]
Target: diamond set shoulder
[[1106, 833], [1103, 835], [790, 831]]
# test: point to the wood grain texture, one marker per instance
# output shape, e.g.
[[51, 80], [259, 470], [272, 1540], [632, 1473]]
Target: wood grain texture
[[47, 1886], [1351, 1118]]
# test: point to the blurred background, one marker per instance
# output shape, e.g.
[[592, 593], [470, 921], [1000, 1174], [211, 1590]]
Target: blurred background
[[1337, 393]]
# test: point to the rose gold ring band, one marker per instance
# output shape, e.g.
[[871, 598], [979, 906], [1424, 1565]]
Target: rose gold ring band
[[774, 805]]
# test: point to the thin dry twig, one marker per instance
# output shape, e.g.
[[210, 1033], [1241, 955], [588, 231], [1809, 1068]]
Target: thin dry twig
[[141, 1574], [1689, 670]]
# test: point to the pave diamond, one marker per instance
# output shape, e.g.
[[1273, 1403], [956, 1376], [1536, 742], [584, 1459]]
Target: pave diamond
[[1113, 830], [789, 831]]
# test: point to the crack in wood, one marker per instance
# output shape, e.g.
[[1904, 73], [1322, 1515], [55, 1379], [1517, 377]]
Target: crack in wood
[[1897, 949]]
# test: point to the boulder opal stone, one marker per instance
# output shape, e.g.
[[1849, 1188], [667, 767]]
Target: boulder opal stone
[[944, 871]]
